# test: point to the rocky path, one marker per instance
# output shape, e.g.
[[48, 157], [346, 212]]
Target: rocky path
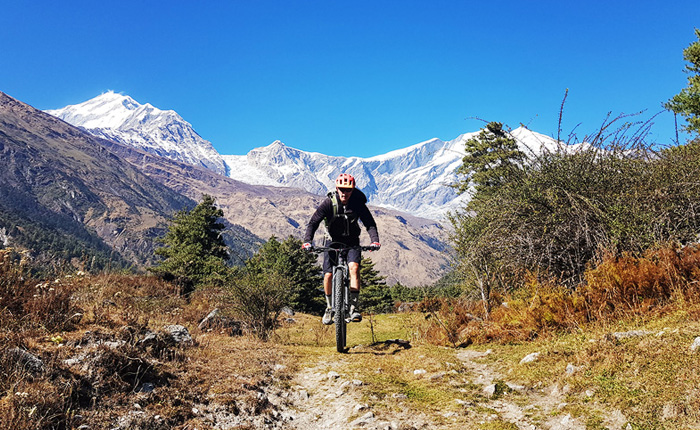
[[323, 397]]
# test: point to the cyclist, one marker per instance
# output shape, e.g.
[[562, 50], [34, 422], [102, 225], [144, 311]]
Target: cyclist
[[341, 211]]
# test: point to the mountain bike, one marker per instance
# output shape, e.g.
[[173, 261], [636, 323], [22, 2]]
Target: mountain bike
[[340, 298]]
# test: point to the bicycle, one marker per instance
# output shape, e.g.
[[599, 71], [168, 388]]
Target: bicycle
[[341, 290]]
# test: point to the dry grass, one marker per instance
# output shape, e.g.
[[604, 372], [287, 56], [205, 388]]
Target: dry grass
[[661, 281], [653, 378], [86, 333]]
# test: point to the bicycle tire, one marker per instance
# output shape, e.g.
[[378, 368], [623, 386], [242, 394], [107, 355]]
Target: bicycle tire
[[339, 300]]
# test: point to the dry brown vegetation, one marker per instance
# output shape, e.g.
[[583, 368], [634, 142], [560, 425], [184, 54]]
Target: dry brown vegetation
[[97, 353], [659, 282], [91, 350]]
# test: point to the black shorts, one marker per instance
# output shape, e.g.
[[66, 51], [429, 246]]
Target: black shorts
[[330, 259]]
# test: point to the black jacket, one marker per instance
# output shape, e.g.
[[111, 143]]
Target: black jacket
[[344, 227]]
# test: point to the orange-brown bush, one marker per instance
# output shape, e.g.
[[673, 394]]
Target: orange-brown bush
[[619, 287], [628, 285]]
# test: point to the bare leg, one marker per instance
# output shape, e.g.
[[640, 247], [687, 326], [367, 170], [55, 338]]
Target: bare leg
[[327, 286], [354, 276]]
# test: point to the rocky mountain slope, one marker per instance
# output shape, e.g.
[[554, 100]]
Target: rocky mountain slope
[[126, 196], [61, 184], [163, 132]]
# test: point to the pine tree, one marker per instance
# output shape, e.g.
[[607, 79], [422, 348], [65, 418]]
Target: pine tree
[[687, 102], [492, 159], [375, 295], [288, 260], [193, 249]]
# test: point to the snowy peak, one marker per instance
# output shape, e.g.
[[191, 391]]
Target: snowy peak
[[108, 110], [415, 179], [163, 132]]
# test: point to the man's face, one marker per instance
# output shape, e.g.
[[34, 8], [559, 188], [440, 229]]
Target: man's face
[[344, 194]]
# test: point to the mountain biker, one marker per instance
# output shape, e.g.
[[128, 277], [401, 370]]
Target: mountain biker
[[341, 210]]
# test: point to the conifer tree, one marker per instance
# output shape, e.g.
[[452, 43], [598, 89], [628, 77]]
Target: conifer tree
[[492, 159], [687, 102], [375, 296], [288, 260], [193, 248]]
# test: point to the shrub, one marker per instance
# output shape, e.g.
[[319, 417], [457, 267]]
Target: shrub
[[258, 299], [629, 285]]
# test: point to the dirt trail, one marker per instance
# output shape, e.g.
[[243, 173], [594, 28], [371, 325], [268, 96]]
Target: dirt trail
[[323, 397]]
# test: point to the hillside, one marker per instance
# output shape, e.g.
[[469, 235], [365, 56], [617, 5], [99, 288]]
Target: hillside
[[64, 182], [414, 250], [124, 196]]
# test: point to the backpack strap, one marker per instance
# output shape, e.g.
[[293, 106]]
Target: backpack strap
[[334, 201]]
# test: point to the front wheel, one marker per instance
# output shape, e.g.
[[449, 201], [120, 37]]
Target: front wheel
[[340, 308]]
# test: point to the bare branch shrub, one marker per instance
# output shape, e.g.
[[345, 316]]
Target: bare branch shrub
[[258, 299]]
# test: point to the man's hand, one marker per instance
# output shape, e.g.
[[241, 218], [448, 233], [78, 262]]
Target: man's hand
[[307, 247], [375, 246]]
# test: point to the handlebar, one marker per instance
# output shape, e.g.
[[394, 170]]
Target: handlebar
[[320, 249]]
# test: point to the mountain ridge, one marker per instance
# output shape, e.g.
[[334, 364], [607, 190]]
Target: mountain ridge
[[413, 179]]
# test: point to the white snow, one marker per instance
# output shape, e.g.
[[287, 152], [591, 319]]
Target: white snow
[[414, 179]]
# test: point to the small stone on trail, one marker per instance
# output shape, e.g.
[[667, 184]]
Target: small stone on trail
[[364, 419], [333, 375], [419, 372], [629, 334], [696, 344], [530, 358]]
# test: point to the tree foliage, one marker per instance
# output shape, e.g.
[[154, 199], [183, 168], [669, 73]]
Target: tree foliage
[[376, 297], [492, 159], [687, 102], [566, 206], [193, 249], [289, 261]]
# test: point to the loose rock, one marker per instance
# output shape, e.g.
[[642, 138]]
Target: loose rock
[[530, 358]]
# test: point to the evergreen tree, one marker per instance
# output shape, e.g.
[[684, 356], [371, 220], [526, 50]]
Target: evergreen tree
[[492, 159], [376, 297], [687, 102], [193, 248], [288, 260]]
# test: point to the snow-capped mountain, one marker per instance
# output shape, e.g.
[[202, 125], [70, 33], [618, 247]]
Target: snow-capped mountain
[[163, 132], [415, 179]]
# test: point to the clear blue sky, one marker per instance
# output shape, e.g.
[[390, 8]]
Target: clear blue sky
[[353, 78]]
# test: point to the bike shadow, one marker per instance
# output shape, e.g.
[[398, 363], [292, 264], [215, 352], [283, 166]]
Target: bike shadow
[[386, 347]]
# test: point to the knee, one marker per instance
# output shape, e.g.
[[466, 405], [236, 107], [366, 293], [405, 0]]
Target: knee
[[354, 268]]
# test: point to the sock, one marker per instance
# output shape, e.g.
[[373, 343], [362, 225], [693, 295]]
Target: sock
[[329, 302]]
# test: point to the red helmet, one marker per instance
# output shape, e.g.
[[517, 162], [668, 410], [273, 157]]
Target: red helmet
[[345, 180]]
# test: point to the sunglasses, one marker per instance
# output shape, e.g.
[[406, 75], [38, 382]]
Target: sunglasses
[[345, 190]]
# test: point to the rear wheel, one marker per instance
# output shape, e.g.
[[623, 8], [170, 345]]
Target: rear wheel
[[339, 300]]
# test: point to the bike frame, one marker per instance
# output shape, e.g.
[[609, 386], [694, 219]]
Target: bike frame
[[340, 297]]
